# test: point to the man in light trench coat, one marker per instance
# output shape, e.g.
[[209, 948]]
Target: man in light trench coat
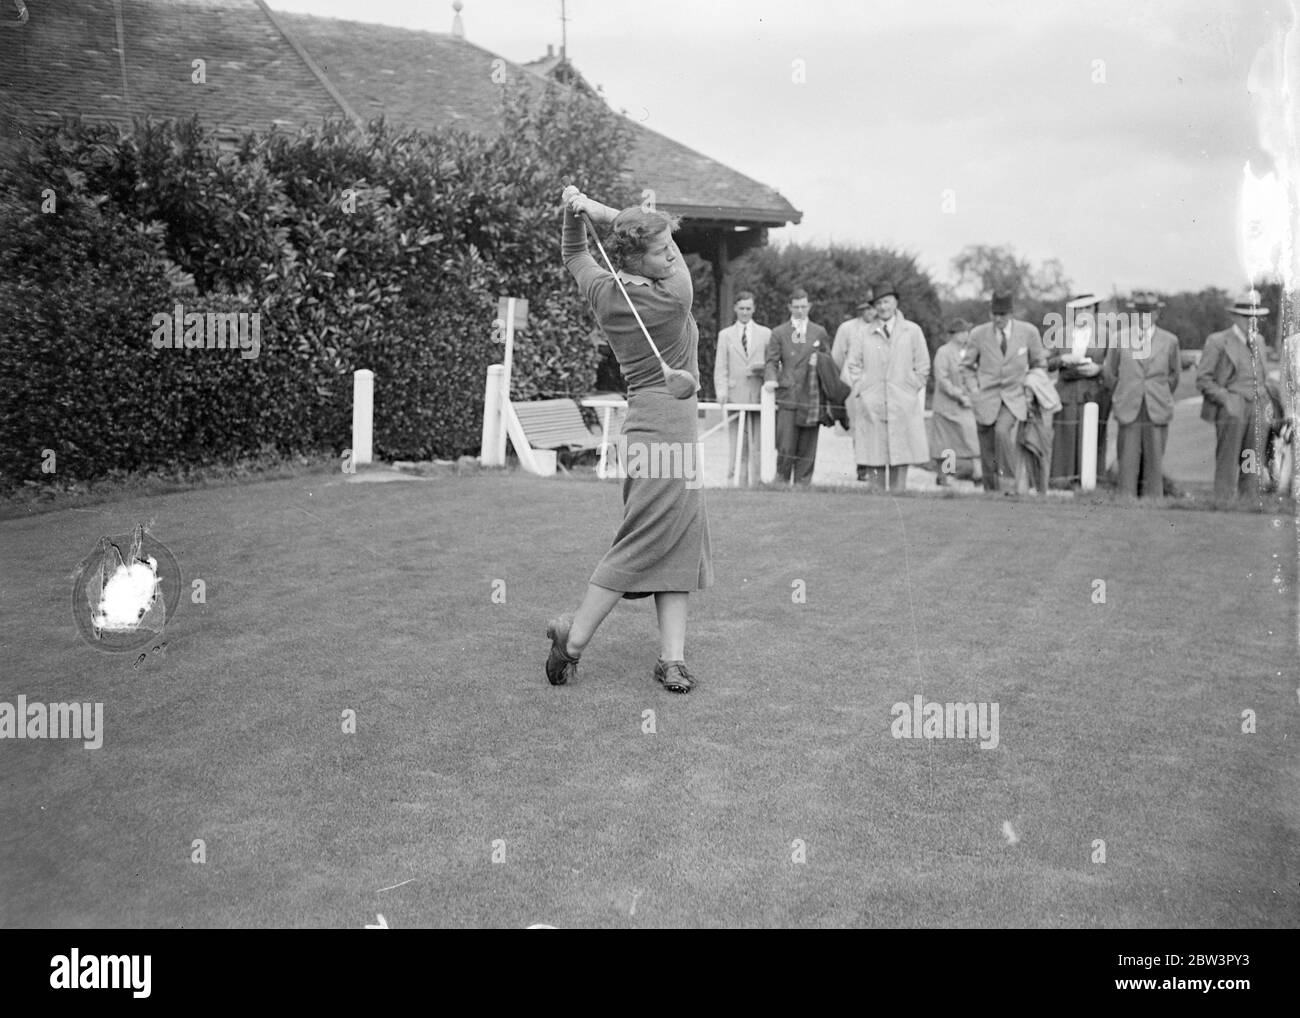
[[886, 368]]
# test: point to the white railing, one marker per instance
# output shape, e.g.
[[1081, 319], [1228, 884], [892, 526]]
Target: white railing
[[765, 408]]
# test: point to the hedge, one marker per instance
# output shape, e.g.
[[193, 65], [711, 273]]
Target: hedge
[[385, 250]]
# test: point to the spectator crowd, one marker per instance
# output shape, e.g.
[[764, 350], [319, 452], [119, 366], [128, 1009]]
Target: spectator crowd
[[1009, 402]]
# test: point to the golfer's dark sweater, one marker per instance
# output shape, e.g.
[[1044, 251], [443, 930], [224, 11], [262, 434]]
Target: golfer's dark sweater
[[664, 306]]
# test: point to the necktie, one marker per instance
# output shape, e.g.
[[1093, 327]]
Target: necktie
[[744, 339], [887, 324], [1003, 334]]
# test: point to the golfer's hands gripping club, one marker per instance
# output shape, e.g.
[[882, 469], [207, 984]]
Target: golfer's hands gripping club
[[580, 205]]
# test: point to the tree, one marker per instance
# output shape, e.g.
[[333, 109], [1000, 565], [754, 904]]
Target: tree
[[981, 269], [836, 278]]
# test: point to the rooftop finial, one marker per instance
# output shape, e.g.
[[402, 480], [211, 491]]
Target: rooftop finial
[[457, 26]]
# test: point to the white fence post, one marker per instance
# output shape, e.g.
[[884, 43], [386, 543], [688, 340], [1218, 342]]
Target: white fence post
[[363, 415], [492, 417], [1088, 461], [767, 435], [509, 319]]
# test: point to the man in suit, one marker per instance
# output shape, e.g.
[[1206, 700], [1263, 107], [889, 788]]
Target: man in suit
[[1002, 351], [1230, 377], [1077, 355], [1142, 370], [791, 370], [738, 372]]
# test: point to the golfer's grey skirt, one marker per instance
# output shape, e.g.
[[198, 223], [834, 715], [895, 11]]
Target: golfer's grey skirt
[[663, 541]]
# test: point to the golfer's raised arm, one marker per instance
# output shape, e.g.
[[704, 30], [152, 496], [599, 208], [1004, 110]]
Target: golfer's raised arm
[[577, 259]]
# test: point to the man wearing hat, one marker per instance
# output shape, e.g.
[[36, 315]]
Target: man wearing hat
[[738, 371], [1142, 373], [1002, 351], [1078, 359], [1230, 377], [859, 327], [887, 368], [854, 326], [954, 442]]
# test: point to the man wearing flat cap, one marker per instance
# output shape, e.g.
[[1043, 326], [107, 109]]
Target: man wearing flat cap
[[844, 335], [1232, 378], [1078, 359], [1142, 372], [858, 326], [1002, 352]]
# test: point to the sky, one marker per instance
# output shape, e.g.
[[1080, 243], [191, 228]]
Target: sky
[[1109, 134]]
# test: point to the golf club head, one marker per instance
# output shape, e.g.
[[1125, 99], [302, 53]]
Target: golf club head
[[680, 383]]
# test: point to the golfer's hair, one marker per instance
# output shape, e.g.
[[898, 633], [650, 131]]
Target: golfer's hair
[[743, 295], [631, 232], [798, 293]]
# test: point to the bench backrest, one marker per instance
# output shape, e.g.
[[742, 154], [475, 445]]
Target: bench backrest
[[555, 424]]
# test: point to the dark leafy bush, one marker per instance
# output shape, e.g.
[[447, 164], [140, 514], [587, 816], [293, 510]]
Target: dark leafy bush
[[386, 251]]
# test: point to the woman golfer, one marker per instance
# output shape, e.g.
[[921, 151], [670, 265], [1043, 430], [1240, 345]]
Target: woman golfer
[[662, 545]]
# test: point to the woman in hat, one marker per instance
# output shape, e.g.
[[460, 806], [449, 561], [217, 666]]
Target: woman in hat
[[954, 443], [662, 546]]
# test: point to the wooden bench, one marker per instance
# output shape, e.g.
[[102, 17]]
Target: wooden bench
[[555, 424]]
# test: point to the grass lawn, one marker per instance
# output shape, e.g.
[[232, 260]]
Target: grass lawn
[[1119, 721]]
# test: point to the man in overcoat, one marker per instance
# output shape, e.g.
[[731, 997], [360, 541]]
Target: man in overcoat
[[887, 367]]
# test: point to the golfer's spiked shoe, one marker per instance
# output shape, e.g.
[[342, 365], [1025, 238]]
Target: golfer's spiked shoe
[[560, 667], [674, 677]]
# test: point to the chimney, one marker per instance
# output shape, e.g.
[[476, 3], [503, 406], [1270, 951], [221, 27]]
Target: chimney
[[550, 51], [457, 26]]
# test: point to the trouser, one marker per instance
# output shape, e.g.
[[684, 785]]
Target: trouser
[[1033, 471], [1000, 451], [749, 465], [1233, 475], [1067, 441], [796, 447], [1140, 447]]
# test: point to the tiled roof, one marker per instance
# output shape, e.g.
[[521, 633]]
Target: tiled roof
[[425, 80], [66, 60], [414, 79]]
